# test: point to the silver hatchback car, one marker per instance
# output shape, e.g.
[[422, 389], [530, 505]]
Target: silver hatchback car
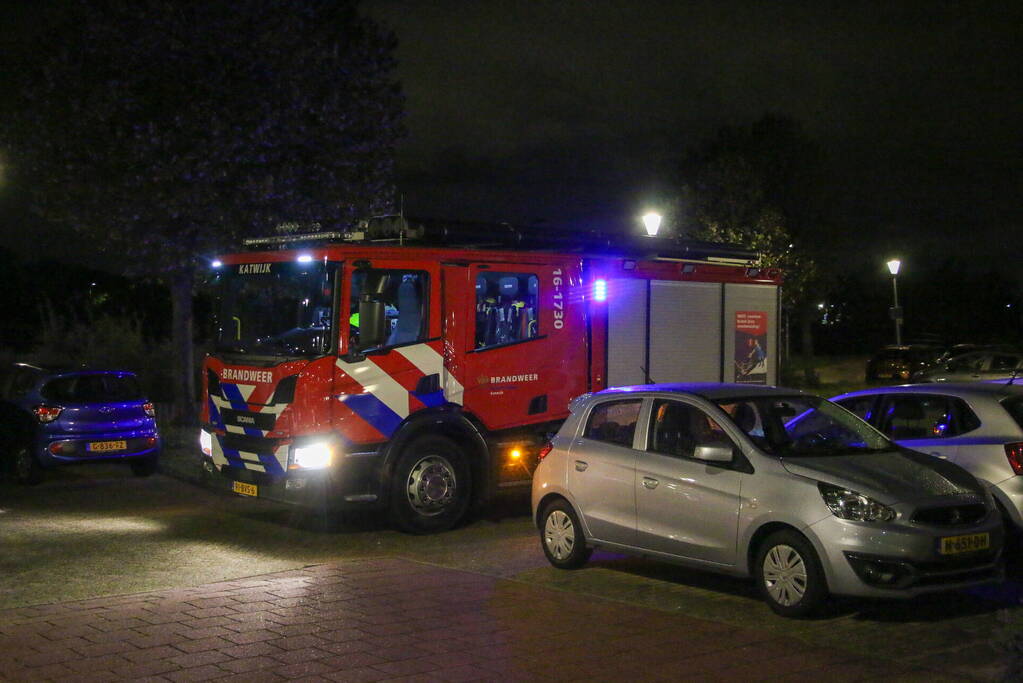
[[976, 425], [765, 482]]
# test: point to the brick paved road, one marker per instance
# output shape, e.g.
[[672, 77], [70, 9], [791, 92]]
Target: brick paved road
[[395, 619]]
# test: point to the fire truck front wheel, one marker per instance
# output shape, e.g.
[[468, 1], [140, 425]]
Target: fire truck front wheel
[[431, 486]]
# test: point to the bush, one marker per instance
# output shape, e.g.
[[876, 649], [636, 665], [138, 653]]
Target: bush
[[106, 343]]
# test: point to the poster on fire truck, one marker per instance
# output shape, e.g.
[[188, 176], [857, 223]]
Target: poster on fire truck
[[751, 347]]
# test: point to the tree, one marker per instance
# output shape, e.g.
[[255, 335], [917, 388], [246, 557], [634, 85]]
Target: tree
[[165, 130], [755, 186]]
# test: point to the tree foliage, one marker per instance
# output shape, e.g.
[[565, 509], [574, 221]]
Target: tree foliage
[[165, 130], [168, 129], [756, 186]]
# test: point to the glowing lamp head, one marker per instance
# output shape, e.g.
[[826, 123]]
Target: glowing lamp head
[[217, 263], [305, 258], [894, 265], [600, 290], [652, 223]]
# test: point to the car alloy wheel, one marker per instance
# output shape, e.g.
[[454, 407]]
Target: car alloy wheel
[[559, 535], [785, 575]]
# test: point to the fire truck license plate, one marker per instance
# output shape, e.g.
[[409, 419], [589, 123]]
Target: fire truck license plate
[[101, 446], [244, 489], [953, 545]]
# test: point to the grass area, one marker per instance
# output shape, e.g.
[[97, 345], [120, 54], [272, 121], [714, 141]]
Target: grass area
[[826, 375]]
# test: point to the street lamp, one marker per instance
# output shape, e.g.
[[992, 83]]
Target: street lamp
[[893, 268], [652, 223]]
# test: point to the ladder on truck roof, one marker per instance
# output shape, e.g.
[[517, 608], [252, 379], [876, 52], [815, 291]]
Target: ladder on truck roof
[[402, 231]]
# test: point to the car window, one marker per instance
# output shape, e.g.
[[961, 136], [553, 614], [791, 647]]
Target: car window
[[405, 295], [969, 361], [23, 380], [861, 406], [917, 416], [1001, 362], [1014, 406], [799, 426], [506, 308], [677, 428], [614, 422], [90, 388], [965, 419]]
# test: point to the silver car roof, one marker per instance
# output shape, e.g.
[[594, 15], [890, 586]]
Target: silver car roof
[[709, 390], [958, 389]]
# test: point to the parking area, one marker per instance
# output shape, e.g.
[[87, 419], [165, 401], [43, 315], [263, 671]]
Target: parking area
[[391, 619], [96, 551]]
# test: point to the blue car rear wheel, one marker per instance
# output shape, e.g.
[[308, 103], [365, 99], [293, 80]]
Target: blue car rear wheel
[[24, 466]]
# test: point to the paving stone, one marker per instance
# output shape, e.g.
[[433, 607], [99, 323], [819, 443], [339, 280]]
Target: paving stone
[[304, 655], [375, 619], [197, 673], [302, 669], [249, 664]]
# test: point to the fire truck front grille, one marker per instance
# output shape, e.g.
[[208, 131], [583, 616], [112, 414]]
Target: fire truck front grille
[[249, 444]]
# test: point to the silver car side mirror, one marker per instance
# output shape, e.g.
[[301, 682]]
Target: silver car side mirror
[[713, 453]]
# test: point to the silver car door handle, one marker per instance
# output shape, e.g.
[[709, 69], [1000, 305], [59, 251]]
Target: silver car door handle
[[581, 465], [650, 482]]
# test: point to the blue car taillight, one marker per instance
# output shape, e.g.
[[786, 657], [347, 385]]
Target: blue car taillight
[[46, 414]]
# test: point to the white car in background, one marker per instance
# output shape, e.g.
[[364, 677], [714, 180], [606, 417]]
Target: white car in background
[[976, 425]]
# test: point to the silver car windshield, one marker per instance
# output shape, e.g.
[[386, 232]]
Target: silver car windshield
[[803, 426]]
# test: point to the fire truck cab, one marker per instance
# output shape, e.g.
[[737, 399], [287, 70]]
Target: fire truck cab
[[420, 367]]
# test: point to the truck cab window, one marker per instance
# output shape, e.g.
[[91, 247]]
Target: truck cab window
[[400, 296], [506, 308]]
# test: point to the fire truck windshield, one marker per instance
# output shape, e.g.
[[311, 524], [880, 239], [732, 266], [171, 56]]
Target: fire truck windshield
[[275, 309]]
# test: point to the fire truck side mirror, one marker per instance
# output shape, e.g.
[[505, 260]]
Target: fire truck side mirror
[[372, 324]]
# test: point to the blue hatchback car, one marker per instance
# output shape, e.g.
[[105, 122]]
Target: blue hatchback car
[[51, 417]]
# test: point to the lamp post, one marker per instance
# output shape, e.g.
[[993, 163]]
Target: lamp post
[[652, 223], [893, 268]]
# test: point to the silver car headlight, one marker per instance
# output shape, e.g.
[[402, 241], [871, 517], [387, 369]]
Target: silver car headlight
[[313, 456], [846, 504]]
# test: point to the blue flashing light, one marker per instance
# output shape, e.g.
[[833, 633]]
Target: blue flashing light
[[217, 264], [305, 258], [600, 290]]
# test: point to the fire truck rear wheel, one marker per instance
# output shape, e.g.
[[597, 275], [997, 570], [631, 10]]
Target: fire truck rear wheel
[[431, 486]]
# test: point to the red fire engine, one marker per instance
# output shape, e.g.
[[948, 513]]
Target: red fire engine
[[389, 367]]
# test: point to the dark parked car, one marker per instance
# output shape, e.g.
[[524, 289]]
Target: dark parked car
[[901, 362], [51, 417], [974, 367]]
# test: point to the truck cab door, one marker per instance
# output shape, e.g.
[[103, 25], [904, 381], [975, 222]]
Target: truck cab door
[[391, 363], [526, 342]]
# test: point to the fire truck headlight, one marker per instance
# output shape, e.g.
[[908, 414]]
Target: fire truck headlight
[[314, 456], [206, 442]]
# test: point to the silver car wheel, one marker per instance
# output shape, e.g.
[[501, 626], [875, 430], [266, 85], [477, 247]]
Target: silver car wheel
[[431, 485], [785, 575], [559, 534]]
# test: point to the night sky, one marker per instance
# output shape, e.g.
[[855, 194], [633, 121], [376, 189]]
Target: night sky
[[575, 113]]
